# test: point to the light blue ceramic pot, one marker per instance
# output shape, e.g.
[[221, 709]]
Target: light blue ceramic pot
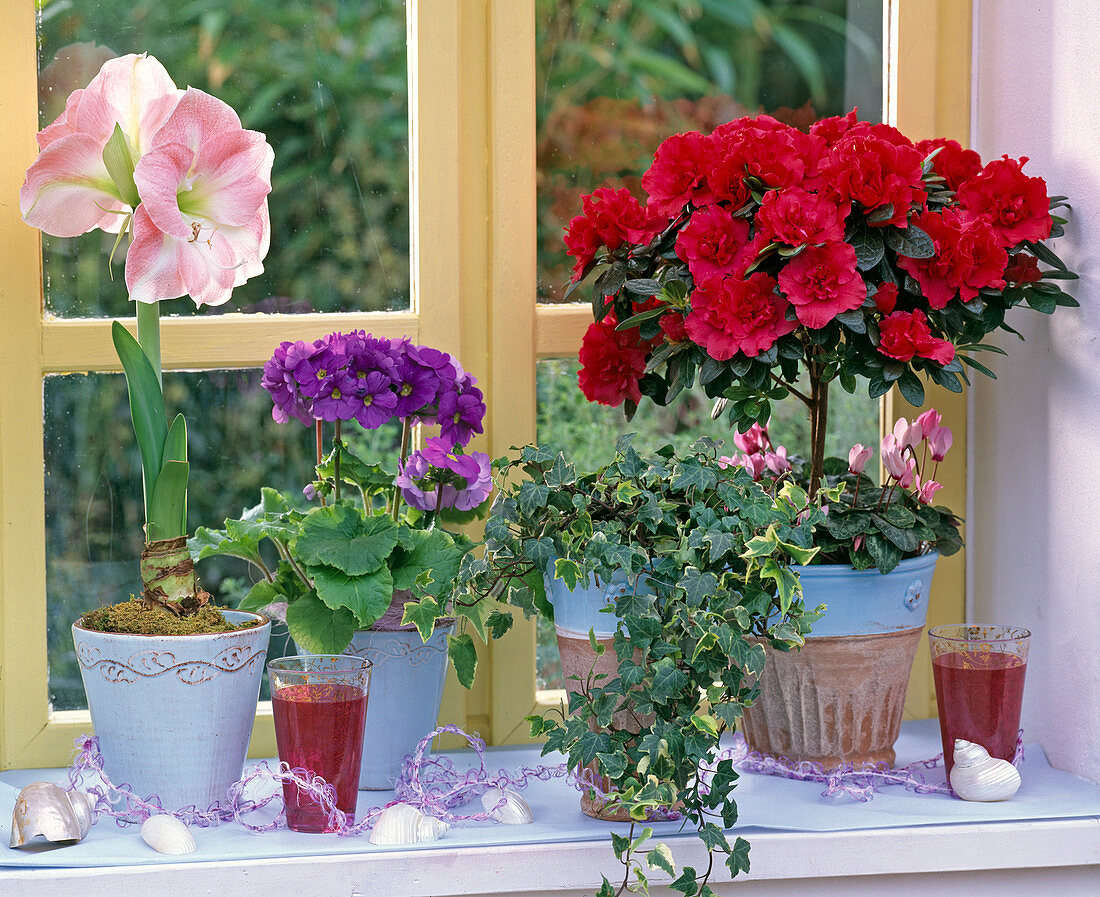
[[406, 689], [174, 713], [578, 610], [864, 602]]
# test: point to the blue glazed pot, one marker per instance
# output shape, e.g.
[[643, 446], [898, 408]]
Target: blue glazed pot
[[174, 713], [578, 610], [863, 602], [406, 689]]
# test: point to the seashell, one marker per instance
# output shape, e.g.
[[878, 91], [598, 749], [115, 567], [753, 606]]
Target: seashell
[[514, 811], [46, 809], [977, 776], [405, 824], [167, 834]]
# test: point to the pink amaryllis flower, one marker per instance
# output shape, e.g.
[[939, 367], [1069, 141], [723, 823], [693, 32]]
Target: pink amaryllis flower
[[68, 190], [202, 227]]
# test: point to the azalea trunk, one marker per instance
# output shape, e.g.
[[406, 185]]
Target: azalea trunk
[[819, 420]]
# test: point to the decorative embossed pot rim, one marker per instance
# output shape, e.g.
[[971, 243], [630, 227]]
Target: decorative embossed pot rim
[[233, 616]]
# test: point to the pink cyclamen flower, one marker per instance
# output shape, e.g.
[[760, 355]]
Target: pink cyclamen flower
[[857, 542], [893, 456], [908, 434], [777, 461], [928, 422], [858, 457], [202, 227], [68, 191], [909, 476], [754, 440], [754, 464], [925, 491], [939, 440]]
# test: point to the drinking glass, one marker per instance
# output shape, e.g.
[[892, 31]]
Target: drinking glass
[[320, 702], [979, 674]]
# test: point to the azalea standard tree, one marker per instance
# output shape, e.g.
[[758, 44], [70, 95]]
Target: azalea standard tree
[[174, 172], [769, 261]]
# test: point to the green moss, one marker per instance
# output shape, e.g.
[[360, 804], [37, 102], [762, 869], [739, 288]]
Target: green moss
[[134, 617]]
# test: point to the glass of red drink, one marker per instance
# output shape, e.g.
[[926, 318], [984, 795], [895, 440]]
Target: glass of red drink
[[320, 702], [979, 674]]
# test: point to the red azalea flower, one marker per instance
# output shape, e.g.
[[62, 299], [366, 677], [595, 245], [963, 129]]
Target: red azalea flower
[[886, 297], [953, 163], [672, 325], [905, 334], [733, 315], [619, 218], [821, 282], [835, 127], [714, 244], [1017, 205], [612, 363], [968, 257], [1023, 268], [797, 217], [725, 177], [761, 147], [582, 242], [676, 176], [872, 171]]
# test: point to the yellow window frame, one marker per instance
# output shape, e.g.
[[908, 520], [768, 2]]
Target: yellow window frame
[[472, 146]]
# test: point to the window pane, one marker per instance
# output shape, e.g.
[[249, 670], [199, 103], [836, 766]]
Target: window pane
[[615, 77], [94, 512], [325, 81]]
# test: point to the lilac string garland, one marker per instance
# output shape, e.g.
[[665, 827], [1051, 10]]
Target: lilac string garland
[[433, 784]]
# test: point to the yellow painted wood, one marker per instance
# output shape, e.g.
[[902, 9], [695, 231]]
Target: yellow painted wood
[[23, 698], [559, 328], [929, 77], [209, 341]]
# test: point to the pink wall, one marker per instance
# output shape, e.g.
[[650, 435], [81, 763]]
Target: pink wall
[[1034, 509]]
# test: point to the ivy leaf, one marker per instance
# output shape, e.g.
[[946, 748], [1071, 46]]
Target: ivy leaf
[[738, 860], [319, 629], [668, 681], [660, 857], [532, 497], [463, 654], [339, 536], [698, 587], [367, 596]]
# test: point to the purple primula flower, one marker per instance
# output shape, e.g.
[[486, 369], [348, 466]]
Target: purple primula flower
[[434, 476], [376, 399], [313, 371], [417, 386], [278, 380], [460, 415], [337, 399]]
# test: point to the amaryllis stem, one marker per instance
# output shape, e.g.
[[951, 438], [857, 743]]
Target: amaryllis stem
[[148, 334]]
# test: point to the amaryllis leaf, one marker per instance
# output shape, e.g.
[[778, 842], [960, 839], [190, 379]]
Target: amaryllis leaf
[[146, 406], [175, 449], [120, 166], [167, 513]]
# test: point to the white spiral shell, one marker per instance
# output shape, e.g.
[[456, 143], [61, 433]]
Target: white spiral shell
[[977, 776], [46, 809], [405, 824], [513, 811], [167, 834]]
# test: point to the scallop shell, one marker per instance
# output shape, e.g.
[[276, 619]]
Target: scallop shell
[[46, 809], [977, 776], [405, 824], [167, 834], [513, 811]]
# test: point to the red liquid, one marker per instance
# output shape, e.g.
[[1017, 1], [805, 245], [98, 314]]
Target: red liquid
[[979, 695], [320, 728]]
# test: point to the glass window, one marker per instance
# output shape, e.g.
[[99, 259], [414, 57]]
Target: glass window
[[325, 82], [615, 77]]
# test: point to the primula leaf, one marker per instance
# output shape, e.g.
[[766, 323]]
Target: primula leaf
[[433, 551], [366, 595], [340, 536], [212, 542], [317, 628]]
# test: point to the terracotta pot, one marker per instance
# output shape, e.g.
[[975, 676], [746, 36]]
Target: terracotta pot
[[840, 698]]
